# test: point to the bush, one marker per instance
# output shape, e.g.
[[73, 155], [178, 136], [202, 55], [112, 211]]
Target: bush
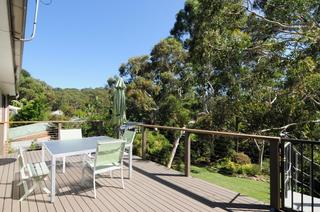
[[251, 169], [158, 147], [241, 158], [228, 167]]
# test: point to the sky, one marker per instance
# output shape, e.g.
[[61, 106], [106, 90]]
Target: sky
[[80, 44]]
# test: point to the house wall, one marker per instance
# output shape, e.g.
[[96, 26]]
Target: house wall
[[1, 125], [4, 117]]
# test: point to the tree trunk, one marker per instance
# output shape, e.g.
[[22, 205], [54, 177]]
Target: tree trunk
[[175, 147], [261, 152]]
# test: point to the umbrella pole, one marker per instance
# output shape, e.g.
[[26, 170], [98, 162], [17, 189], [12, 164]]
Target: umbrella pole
[[117, 129]]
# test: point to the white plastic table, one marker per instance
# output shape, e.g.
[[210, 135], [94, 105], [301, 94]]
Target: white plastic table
[[58, 149]]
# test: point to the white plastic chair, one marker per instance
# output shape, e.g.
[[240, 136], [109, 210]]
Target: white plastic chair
[[108, 157], [69, 134], [36, 172], [128, 136]]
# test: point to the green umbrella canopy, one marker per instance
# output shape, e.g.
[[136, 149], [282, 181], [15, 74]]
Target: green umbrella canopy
[[119, 103]]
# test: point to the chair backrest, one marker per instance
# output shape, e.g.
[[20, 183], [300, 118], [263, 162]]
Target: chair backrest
[[109, 153], [69, 134], [22, 164], [128, 136]]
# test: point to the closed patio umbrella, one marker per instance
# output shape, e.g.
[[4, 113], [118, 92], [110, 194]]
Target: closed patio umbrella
[[119, 103]]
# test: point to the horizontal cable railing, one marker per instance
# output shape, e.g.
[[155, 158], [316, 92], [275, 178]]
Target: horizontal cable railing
[[278, 163]]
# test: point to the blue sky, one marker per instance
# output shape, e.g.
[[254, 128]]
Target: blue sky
[[80, 44]]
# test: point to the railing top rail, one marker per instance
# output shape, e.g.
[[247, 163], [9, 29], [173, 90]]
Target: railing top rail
[[48, 121], [211, 132], [229, 134]]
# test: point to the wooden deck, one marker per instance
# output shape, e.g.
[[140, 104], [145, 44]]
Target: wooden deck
[[152, 188]]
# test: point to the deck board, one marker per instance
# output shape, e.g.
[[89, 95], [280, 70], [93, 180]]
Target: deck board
[[152, 188]]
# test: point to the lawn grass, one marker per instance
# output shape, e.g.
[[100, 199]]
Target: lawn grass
[[256, 189]]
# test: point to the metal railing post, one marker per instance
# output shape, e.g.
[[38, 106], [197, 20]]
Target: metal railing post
[[187, 155], [282, 172], [274, 175]]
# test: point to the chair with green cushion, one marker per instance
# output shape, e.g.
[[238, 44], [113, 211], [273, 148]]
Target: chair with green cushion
[[128, 136], [108, 157]]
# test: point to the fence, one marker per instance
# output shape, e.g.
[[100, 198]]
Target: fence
[[282, 169], [294, 175], [301, 176]]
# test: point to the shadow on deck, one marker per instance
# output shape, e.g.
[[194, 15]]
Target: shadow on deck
[[152, 188]]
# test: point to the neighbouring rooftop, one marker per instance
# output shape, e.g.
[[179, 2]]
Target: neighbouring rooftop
[[27, 130]]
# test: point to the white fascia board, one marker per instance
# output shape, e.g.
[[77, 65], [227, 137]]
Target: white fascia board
[[7, 73]]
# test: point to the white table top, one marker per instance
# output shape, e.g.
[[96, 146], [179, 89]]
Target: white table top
[[76, 146]]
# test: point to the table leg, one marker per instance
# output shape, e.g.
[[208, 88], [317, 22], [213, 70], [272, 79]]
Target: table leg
[[53, 178], [42, 153]]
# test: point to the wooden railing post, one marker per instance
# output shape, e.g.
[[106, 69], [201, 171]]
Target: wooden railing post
[[144, 142], [187, 155], [274, 175], [59, 130]]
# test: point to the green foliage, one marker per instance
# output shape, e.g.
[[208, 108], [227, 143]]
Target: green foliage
[[33, 110], [34, 146], [251, 169], [172, 112], [158, 147], [37, 100], [241, 158], [229, 167]]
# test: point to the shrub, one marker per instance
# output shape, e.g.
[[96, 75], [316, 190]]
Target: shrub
[[241, 158], [158, 147], [251, 169], [228, 167]]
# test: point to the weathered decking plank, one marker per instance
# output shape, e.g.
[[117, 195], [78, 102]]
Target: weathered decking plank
[[7, 204], [3, 181], [50, 207], [162, 194], [38, 196], [152, 188], [15, 189]]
